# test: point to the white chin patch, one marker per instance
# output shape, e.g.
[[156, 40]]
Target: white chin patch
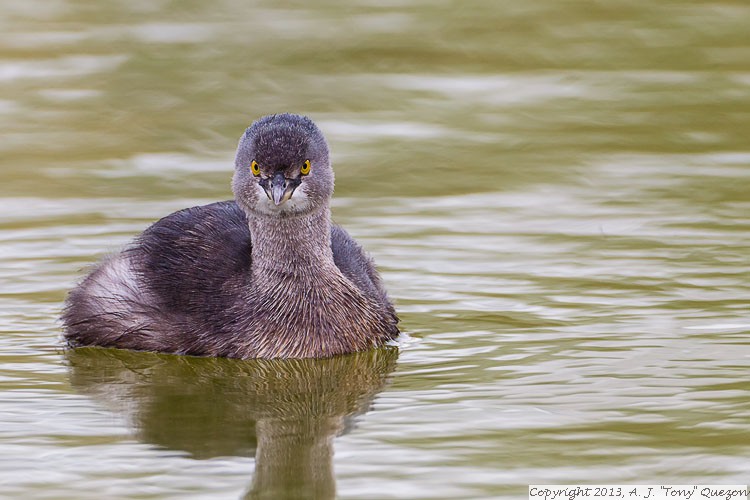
[[298, 203]]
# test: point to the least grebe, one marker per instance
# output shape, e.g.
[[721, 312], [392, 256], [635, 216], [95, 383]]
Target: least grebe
[[267, 275]]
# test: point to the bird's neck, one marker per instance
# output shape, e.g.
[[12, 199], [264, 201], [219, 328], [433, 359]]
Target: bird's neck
[[292, 244]]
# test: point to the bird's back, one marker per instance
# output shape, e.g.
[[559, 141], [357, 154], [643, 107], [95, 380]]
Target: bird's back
[[190, 256], [192, 259]]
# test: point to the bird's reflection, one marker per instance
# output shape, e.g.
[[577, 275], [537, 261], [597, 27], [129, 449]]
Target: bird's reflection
[[283, 412]]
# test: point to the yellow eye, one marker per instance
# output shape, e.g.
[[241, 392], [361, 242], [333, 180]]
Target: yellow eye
[[305, 168], [255, 168]]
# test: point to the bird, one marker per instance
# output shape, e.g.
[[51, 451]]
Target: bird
[[265, 275]]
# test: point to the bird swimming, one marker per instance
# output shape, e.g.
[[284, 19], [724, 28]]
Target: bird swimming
[[266, 275]]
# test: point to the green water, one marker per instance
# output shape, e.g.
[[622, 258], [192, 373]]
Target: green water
[[557, 194]]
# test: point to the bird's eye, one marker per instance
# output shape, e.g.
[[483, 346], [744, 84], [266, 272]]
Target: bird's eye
[[305, 168], [255, 168]]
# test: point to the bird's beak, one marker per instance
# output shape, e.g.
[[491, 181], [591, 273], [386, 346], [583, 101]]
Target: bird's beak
[[279, 189]]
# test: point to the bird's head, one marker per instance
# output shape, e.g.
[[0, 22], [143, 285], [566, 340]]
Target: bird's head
[[282, 167]]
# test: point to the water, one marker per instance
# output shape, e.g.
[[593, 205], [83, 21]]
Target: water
[[556, 194]]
